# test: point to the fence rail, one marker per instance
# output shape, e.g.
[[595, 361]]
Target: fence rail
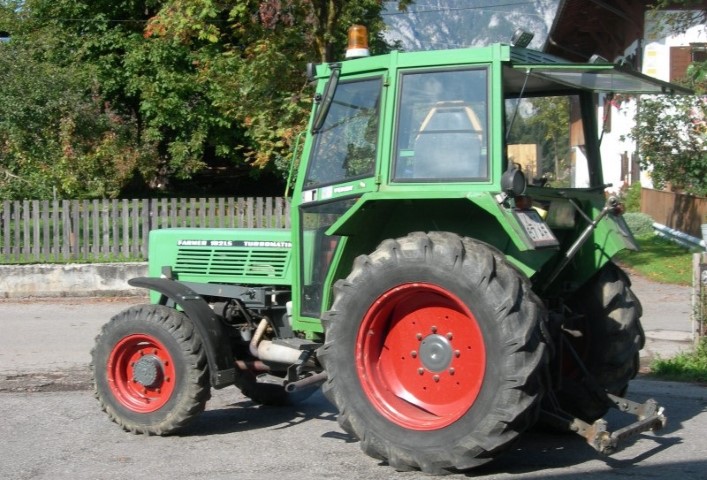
[[99, 230]]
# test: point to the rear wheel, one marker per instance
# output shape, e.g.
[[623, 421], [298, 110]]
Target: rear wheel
[[149, 370], [433, 353], [608, 337]]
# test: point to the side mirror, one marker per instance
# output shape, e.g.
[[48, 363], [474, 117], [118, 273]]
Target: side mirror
[[513, 181], [326, 98]]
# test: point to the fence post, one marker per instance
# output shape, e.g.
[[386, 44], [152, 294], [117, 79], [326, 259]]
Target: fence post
[[46, 246], [145, 230], [6, 229], [699, 296]]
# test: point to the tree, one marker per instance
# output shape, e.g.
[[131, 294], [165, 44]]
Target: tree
[[253, 54], [671, 131], [681, 14], [57, 138], [172, 84]]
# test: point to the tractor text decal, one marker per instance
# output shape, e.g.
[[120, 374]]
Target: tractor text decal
[[234, 243]]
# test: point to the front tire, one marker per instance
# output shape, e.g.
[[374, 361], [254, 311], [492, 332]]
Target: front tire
[[433, 353], [150, 372]]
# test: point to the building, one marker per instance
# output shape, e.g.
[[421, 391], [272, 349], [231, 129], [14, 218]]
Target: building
[[626, 32]]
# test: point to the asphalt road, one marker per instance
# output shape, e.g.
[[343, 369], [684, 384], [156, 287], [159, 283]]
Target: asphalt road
[[52, 427]]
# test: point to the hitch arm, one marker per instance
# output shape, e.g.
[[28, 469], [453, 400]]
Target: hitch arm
[[649, 417]]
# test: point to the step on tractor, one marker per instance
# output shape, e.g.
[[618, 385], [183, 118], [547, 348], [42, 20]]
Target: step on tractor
[[447, 279]]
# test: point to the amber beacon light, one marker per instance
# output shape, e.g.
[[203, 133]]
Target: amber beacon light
[[358, 42]]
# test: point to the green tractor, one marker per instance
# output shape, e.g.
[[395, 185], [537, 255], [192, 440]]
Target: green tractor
[[447, 279]]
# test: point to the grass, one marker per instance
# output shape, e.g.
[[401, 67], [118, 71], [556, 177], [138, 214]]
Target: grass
[[685, 367], [663, 261], [659, 260]]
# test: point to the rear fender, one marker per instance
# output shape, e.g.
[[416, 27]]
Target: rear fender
[[218, 352]]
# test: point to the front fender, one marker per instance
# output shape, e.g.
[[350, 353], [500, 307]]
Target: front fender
[[218, 351]]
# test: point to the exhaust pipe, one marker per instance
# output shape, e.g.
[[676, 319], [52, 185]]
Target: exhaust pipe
[[307, 382], [267, 351]]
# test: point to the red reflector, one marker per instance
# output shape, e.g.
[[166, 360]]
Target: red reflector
[[524, 202]]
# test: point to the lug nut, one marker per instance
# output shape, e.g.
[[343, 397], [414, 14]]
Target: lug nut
[[434, 329], [436, 378], [420, 370], [413, 354], [450, 336], [452, 371]]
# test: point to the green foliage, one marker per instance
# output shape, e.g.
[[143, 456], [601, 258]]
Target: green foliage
[[632, 198], [57, 138], [686, 366], [640, 224], [671, 132], [158, 88]]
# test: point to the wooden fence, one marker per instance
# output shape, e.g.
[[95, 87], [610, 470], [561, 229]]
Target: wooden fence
[[675, 210], [114, 230]]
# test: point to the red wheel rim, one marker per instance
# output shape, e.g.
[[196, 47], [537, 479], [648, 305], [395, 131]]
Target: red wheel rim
[[420, 356], [141, 373]]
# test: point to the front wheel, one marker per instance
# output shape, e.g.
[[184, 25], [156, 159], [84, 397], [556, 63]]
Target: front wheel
[[433, 352], [149, 370]]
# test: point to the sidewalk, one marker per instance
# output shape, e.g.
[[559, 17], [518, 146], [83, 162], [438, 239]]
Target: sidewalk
[[666, 318]]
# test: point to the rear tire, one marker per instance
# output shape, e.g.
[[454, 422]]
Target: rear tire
[[433, 353], [150, 372], [611, 338]]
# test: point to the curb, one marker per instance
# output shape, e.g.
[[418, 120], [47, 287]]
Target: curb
[[70, 280]]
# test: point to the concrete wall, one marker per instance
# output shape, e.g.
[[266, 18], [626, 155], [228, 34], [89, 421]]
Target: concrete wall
[[72, 280]]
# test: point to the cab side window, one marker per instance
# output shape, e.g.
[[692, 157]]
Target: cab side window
[[442, 127]]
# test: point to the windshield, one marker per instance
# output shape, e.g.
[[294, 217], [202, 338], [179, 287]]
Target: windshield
[[346, 144]]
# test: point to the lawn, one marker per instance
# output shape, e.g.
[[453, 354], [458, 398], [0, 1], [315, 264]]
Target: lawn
[[686, 366], [659, 260]]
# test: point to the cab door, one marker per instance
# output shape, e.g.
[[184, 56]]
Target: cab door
[[341, 167]]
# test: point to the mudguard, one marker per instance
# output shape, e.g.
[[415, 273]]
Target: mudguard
[[218, 353]]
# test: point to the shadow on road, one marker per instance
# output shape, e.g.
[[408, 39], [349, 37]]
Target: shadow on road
[[246, 415], [542, 451]]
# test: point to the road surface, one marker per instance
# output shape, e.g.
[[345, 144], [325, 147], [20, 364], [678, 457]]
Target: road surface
[[52, 427]]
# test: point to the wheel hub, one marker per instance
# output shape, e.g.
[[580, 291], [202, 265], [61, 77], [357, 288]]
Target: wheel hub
[[147, 371], [435, 353], [420, 356]]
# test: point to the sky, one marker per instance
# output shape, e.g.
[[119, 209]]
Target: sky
[[444, 24]]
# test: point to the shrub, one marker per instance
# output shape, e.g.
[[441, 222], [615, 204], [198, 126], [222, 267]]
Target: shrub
[[640, 224], [632, 198]]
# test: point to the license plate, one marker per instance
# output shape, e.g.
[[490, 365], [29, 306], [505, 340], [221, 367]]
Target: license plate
[[536, 229]]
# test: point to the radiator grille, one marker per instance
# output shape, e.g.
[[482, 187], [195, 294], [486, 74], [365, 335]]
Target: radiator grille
[[232, 262]]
